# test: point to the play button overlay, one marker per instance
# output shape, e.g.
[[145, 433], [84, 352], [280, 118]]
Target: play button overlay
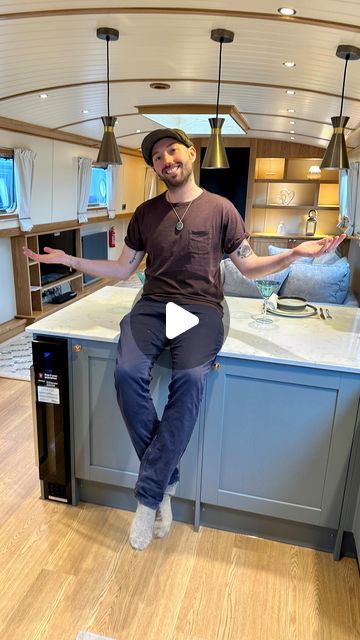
[[178, 320], [164, 326]]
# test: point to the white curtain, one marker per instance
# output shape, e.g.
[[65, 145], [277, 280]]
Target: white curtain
[[151, 184], [354, 197], [83, 187], [24, 160], [112, 175]]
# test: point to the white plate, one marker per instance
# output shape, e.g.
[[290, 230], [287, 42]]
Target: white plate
[[304, 313], [291, 304]]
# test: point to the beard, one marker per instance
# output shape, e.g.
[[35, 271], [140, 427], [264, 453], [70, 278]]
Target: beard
[[180, 179]]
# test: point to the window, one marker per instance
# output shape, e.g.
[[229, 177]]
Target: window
[[98, 196], [7, 195]]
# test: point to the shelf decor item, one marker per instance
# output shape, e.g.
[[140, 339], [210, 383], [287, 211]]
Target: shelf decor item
[[314, 172], [109, 150], [311, 223], [286, 197], [336, 155], [215, 156]]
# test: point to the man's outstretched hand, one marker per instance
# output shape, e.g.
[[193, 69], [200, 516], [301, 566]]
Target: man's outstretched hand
[[51, 256], [315, 248]]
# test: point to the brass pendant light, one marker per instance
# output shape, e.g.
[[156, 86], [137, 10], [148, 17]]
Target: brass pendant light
[[215, 156], [109, 150], [336, 155]]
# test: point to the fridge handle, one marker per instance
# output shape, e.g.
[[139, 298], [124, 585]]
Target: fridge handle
[[34, 421]]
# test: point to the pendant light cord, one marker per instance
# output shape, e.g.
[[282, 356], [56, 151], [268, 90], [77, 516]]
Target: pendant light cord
[[343, 87], [108, 80], [218, 90]]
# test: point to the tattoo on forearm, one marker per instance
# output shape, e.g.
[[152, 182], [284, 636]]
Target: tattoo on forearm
[[244, 251], [133, 258]]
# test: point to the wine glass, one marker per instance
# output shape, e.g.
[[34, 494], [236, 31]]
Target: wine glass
[[267, 285]]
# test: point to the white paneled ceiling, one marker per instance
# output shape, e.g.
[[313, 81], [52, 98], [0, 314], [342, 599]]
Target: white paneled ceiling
[[51, 46]]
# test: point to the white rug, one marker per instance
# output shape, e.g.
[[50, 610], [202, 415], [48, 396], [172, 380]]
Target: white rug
[[16, 357], [86, 635]]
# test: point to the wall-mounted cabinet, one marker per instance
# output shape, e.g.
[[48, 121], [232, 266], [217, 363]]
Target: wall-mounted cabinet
[[285, 192]]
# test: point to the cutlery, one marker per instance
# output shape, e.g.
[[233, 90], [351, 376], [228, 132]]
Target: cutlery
[[328, 314], [322, 314]]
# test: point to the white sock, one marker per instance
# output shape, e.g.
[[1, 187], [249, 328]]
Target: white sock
[[141, 531], [163, 518]]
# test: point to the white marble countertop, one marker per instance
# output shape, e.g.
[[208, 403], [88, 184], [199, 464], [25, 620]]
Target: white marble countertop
[[310, 342]]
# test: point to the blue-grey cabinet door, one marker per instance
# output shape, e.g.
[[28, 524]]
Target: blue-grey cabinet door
[[277, 439], [356, 527], [103, 449]]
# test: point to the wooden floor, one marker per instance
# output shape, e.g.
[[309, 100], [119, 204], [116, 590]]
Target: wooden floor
[[64, 569]]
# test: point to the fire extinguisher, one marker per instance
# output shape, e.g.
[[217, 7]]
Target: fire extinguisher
[[112, 239]]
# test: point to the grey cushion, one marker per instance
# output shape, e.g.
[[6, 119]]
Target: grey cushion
[[318, 282], [235, 284]]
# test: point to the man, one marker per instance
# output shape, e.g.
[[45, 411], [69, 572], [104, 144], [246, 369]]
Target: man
[[184, 233]]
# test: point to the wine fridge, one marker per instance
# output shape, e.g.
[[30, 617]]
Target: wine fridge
[[51, 415]]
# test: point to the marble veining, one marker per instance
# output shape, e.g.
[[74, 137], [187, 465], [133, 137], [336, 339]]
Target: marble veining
[[311, 342]]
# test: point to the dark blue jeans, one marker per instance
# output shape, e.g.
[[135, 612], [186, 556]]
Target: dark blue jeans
[[160, 443]]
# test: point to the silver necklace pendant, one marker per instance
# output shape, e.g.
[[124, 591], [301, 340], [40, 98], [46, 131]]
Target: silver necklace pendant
[[179, 226]]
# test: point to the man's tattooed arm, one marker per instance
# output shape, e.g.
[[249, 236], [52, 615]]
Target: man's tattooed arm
[[132, 260], [244, 251]]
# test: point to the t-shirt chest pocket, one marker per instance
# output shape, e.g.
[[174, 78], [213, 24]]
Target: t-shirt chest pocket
[[199, 242]]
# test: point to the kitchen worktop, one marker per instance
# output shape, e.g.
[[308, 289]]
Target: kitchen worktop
[[308, 342]]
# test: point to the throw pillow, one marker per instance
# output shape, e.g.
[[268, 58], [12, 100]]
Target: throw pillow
[[318, 282], [235, 284]]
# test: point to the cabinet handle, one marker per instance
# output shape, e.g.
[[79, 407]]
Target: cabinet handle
[[77, 348], [216, 365]]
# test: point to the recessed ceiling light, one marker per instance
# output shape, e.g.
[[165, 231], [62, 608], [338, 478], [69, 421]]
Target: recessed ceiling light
[[292, 122], [85, 110], [159, 85], [292, 131], [289, 63], [290, 92], [43, 96], [291, 110], [138, 130], [292, 138], [286, 11]]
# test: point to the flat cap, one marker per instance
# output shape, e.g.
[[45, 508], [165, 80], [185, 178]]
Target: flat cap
[[153, 137]]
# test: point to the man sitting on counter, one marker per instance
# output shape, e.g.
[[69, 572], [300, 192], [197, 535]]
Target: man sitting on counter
[[184, 232]]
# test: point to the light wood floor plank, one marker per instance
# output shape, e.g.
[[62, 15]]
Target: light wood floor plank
[[64, 569]]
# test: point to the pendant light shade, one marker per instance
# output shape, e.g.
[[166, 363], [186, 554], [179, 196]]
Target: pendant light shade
[[336, 156], [109, 150], [215, 156]]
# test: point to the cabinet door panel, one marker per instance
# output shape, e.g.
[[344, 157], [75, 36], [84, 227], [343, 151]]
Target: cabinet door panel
[[103, 449], [276, 442]]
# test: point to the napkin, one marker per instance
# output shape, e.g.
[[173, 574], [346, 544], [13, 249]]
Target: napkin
[[272, 302]]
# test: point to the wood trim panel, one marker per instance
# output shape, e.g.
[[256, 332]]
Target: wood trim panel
[[281, 149], [248, 15], [53, 134], [59, 226]]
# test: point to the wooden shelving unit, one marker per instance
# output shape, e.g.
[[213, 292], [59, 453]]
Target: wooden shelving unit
[[284, 193], [29, 291]]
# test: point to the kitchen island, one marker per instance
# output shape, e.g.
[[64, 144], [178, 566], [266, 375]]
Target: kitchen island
[[275, 448]]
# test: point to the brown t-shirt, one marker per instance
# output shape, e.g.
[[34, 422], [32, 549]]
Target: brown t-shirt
[[184, 266]]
